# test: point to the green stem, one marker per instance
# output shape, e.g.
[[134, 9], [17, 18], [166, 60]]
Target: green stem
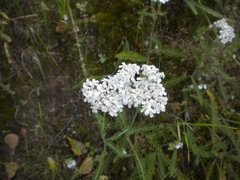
[[151, 37], [133, 149], [136, 157], [135, 116], [102, 128], [122, 118], [40, 120], [100, 164], [205, 14]]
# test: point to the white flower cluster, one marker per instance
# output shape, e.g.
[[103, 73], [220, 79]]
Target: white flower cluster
[[179, 145], [162, 1], [70, 163], [131, 86], [226, 32]]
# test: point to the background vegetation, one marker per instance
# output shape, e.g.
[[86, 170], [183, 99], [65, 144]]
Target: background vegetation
[[49, 48]]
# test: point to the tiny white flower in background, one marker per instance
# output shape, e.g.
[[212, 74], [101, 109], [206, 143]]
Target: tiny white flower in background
[[124, 151], [179, 145], [234, 56], [161, 1], [70, 163], [226, 32], [232, 97], [65, 17], [131, 86], [191, 86], [202, 86]]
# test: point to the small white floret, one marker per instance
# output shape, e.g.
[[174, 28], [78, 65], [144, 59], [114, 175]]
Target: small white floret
[[161, 1], [70, 163], [202, 86], [179, 145]]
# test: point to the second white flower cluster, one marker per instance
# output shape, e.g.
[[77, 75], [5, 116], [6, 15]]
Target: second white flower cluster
[[131, 86], [226, 32]]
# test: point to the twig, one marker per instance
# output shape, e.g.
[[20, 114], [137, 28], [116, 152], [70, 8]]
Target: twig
[[23, 17], [75, 29], [55, 139]]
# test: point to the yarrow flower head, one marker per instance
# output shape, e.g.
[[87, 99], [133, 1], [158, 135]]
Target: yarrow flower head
[[226, 32], [131, 86], [161, 1]]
